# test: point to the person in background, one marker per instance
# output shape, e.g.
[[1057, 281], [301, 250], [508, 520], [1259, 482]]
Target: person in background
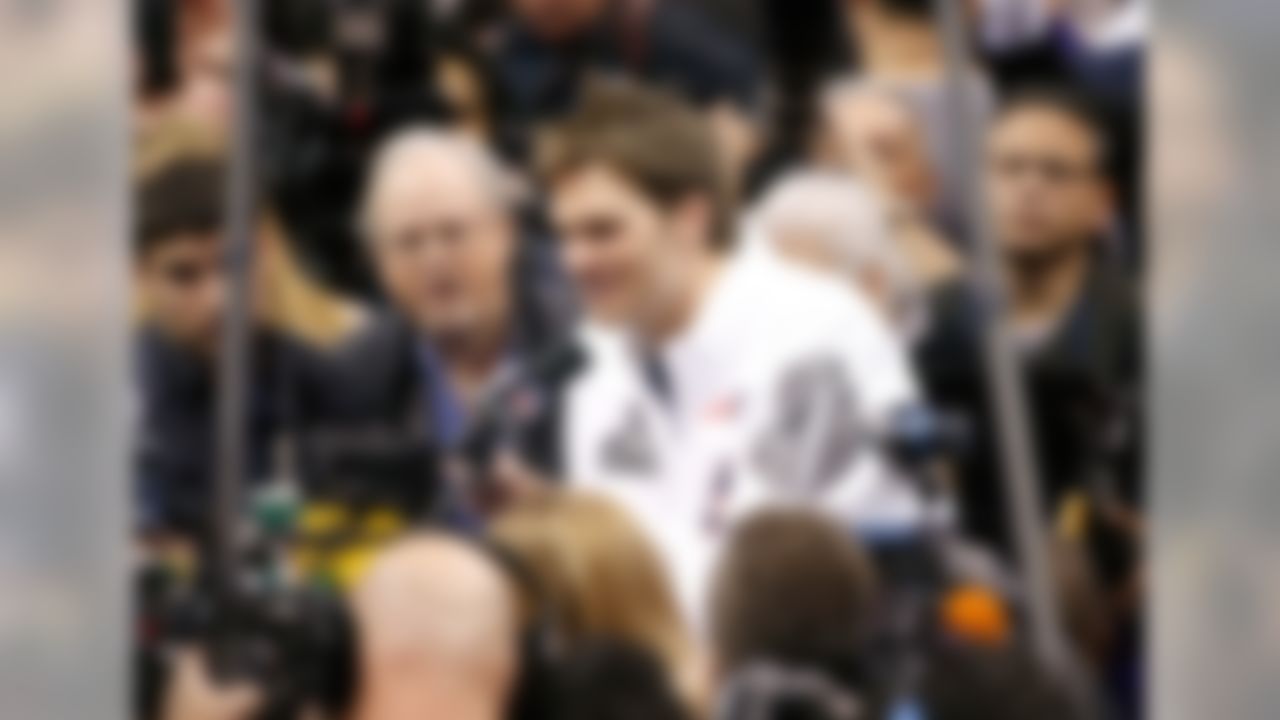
[[439, 224], [205, 63], [182, 64], [1071, 309], [870, 131], [838, 225], [704, 397], [602, 575], [901, 47], [549, 47], [1099, 47], [793, 609], [181, 287]]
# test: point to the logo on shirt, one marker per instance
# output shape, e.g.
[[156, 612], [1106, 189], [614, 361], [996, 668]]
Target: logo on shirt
[[631, 447], [724, 409], [814, 433]]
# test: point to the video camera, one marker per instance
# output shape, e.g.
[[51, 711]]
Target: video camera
[[277, 618], [297, 646]]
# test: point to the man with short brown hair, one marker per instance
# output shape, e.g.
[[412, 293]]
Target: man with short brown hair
[[719, 379]]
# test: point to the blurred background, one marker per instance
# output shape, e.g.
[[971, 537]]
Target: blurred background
[[850, 133]]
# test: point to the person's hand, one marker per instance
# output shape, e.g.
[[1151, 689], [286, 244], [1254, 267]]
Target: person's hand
[[518, 483], [195, 695]]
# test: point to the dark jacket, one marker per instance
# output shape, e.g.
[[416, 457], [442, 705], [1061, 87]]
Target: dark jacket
[[1083, 387], [379, 382], [175, 455]]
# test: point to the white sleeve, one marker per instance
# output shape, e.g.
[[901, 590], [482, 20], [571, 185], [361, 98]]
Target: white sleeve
[[877, 359], [829, 407]]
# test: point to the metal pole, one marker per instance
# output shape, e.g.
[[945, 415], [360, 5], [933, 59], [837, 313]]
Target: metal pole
[[233, 387], [1024, 506]]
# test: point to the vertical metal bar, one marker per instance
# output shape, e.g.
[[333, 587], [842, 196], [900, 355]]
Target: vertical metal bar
[[233, 385], [1024, 507]]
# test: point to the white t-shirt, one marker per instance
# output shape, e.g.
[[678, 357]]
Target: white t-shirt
[[776, 394]]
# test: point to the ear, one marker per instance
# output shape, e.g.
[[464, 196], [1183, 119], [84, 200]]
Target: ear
[[823, 146], [694, 219]]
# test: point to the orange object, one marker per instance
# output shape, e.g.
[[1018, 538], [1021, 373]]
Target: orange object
[[974, 613]]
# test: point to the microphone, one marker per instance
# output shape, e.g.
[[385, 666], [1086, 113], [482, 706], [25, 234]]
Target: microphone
[[517, 401]]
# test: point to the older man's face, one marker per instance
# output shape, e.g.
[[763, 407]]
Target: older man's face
[[442, 247]]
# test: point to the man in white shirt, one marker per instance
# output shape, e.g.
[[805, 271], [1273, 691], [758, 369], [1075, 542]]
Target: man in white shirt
[[718, 382]]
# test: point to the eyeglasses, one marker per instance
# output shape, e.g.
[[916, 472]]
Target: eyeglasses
[[1053, 170]]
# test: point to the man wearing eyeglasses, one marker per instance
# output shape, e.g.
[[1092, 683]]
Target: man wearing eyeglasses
[[1051, 210], [1071, 305], [1072, 309]]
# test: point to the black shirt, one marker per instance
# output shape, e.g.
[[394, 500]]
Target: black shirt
[[1083, 387]]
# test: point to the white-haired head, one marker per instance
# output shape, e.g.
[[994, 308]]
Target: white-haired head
[[409, 153], [856, 87], [441, 229], [836, 222]]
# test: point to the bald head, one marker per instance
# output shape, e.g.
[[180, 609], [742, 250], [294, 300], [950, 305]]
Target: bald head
[[438, 222], [439, 630], [837, 224]]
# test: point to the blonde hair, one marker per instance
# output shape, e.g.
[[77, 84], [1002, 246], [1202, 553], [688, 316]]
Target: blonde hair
[[598, 574]]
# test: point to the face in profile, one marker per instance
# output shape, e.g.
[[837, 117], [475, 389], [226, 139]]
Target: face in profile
[[617, 245], [182, 285], [877, 138], [443, 249], [1044, 182]]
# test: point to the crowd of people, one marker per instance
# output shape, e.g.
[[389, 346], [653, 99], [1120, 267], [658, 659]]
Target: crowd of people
[[630, 358]]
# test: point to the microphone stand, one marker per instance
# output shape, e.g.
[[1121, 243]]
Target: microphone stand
[[235, 362]]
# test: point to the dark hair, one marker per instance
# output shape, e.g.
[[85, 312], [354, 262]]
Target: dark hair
[[1071, 103], [180, 198], [659, 143], [968, 683], [613, 680], [793, 589]]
